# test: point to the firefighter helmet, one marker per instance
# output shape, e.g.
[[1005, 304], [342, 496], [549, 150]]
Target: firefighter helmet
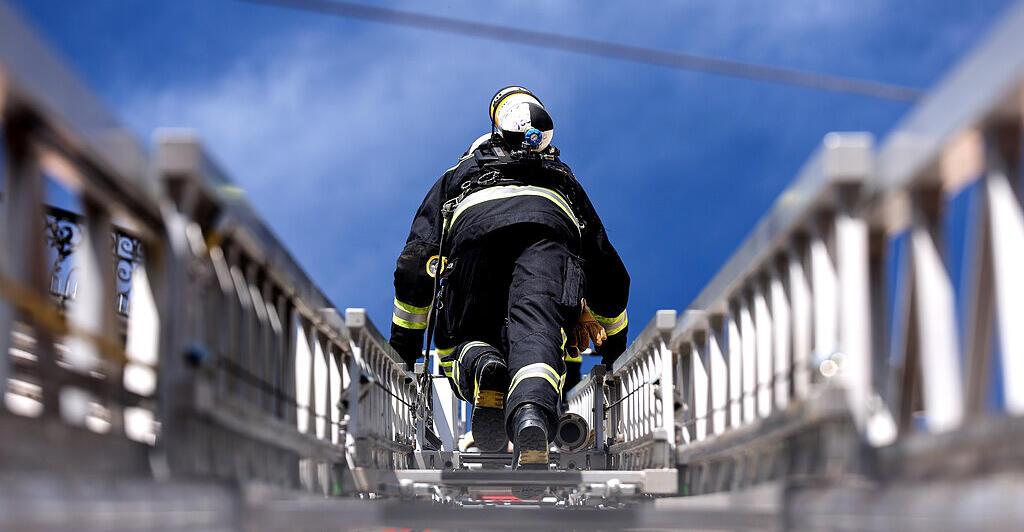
[[519, 117]]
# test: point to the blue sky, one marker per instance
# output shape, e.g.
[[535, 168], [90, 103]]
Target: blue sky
[[336, 128]]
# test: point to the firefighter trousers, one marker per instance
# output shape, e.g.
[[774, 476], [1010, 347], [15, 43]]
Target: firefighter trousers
[[512, 293]]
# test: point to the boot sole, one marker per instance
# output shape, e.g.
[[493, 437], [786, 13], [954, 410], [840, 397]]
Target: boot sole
[[489, 410], [531, 448]]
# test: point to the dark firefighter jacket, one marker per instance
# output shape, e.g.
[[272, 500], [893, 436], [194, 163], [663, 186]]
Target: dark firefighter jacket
[[493, 191]]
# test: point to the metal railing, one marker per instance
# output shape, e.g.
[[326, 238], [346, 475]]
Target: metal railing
[[954, 377], [83, 372], [631, 407], [837, 324], [834, 341], [964, 140], [381, 425], [199, 338], [263, 351], [641, 399], [784, 321]]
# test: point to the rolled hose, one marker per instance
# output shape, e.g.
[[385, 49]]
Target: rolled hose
[[572, 433]]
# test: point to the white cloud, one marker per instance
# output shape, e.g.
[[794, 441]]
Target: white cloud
[[336, 140], [337, 135]]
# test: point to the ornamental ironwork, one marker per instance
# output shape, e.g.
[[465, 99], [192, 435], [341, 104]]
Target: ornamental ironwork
[[128, 253], [64, 232]]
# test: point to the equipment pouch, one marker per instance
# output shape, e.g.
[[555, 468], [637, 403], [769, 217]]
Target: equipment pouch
[[573, 282]]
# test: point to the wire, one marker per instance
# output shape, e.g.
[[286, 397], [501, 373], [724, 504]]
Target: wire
[[606, 49]]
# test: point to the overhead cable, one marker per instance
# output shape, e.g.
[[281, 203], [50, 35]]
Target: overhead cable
[[606, 49]]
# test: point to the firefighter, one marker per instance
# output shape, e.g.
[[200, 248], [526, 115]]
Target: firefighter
[[510, 254]]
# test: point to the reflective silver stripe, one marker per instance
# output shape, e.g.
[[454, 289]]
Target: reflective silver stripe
[[538, 370], [401, 314], [511, 191], [408, 324]]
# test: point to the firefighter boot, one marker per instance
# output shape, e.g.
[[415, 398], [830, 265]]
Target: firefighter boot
[[530, 433], [490, 383]]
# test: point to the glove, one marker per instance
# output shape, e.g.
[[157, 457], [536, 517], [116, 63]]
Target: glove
[[409, 347], [587, 329]]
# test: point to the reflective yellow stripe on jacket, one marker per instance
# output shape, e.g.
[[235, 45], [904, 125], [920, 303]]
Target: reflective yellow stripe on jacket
[[409, 316], [511, 191], [612, 325]]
